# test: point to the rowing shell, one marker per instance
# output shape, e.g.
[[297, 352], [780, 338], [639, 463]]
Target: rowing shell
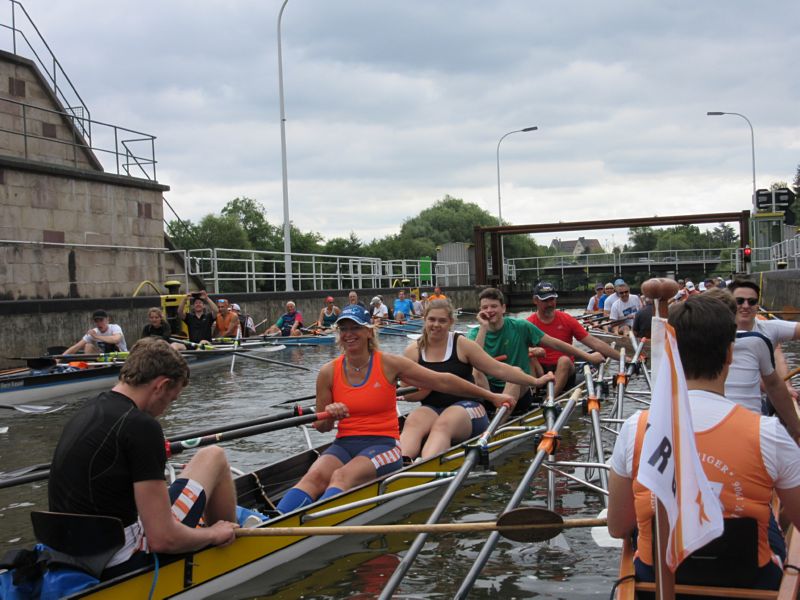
[[27, 385], [215, 570], [301, 340]]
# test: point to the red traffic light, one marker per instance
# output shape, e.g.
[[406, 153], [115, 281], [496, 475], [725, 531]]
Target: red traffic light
[[747, 252]]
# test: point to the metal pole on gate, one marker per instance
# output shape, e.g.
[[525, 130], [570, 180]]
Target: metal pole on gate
[[287, 228]]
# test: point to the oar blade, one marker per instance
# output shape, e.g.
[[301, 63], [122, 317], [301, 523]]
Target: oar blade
[[513, 524], [34, 409]]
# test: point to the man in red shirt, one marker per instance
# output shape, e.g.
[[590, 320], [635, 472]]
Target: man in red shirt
[[561, 326]]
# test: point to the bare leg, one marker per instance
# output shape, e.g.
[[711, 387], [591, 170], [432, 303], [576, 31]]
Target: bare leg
[[453, 425], [357, 471], [210, 468], [318, 478], [417, 426], [564, 370]]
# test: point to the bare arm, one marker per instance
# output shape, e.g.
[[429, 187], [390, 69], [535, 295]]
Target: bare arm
[[325, 397], [621, 512], [600, 346], [790, 504], [413, 374], [479, 359], [412, 353], [211, 306], [164, 533], [552, 342], [182, 306], [782, 401]]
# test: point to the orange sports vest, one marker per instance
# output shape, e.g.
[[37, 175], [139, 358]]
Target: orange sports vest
[[372, 405], [738, 467], [224, 323]]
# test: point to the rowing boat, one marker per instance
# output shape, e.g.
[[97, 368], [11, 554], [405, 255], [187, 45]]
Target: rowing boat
[[24, 385], [216, 570], [620, 341]]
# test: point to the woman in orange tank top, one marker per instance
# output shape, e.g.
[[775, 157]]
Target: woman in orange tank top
[[358, 389]]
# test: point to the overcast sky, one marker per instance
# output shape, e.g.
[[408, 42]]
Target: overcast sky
[[392, 105]]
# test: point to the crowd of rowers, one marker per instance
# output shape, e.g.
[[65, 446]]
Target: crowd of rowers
[[462, 380], [206, 320]]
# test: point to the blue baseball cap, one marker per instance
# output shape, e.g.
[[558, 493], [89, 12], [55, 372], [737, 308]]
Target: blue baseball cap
[[356, 313], [619, 282], [545, 290]]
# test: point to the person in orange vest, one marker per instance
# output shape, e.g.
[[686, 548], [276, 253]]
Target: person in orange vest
[[437, 294], [764, 459], [227, 322]]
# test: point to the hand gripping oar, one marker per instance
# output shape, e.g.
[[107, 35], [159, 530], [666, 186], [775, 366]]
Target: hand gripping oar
[[530, 524], [474, 452], [546, 447], [34, 409], [176, 447]]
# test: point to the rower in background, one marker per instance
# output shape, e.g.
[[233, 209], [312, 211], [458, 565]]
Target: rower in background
[[437, 294], [564, 327], [763, 458], [625, 307], [508, 339], [328, 314], [247, 326], [358, 389], [103, 337], [443, 418], [612, 297], [418, 308], [227, 322], [643, 320], [289, 323], [200, 321], [158, 327], [111, 457], [403, 307], [746, 294], [594, 302], [352, 298], [378, 311], [608, 290]]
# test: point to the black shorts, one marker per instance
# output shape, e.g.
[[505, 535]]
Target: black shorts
[[524, 402], [570, 380]]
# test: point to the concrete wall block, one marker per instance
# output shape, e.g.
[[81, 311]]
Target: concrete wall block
[[67, 220], [97, 203], [11, 216], [43, 196], [37, 218], [96, 237]]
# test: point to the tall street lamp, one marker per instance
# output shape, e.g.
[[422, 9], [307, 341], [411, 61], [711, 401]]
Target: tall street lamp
[[287, 228], [752, 146], [499, 200]]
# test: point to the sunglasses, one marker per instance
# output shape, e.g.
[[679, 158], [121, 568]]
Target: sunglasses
[[750, 301], [624, 293]]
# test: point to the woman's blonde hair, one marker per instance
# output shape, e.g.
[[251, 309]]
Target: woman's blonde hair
[[372, 343], [157, 311], [443, 304]]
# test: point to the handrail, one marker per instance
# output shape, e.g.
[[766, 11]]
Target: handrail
[[55, 62]]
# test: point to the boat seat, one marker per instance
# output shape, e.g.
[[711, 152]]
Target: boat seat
[[87, 541]]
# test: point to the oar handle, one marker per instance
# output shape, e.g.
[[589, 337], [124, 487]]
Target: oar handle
[[792, 373], [176, 447]]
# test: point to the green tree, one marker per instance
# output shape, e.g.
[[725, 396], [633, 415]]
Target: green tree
[[723, 236], [252, 216], [340, 246], [643, 239]]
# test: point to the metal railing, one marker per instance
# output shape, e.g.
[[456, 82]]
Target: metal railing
[[133, 151], [785, 254], [120, 144], [234, 270], [49, 65], [657, 260]]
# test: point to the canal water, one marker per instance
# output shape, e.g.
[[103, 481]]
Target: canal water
[[355, 567]]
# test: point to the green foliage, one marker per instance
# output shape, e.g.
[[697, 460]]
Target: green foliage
[[681, 237], [252, 216], [339, 246]]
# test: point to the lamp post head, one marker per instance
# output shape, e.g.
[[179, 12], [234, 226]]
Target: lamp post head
[[714, 114], [534, 128]]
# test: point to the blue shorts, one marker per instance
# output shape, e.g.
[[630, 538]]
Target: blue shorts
[[188, 501], [384, 452], [475, 410]]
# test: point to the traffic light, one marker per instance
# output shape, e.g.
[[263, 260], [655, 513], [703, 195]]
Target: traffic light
[[747, 253]]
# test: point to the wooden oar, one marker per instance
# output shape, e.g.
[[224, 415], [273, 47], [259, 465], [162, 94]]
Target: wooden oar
[[179, 446], [399, 392], [34, 409], [791, 373], [530, 524], [297, 411]]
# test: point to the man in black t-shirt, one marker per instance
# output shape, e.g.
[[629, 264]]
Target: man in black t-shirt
[[199, 320], [111, 456]]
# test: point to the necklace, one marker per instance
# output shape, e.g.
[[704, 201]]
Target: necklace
[[359, 369]]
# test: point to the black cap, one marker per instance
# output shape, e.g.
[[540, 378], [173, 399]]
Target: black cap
[[544, 290], [100, 314]]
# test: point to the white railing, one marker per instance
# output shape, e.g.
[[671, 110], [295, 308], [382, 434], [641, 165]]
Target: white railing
[[229, 270], [785, 254], [655, 260]]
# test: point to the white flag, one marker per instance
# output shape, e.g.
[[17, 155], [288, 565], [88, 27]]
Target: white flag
[[669, 465]]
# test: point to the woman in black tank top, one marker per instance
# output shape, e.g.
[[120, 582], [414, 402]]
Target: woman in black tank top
[[443, 418]]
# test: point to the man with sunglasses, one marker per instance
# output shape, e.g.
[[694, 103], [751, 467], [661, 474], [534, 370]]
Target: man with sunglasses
[[625, 307], [754, 359], [103, 337]]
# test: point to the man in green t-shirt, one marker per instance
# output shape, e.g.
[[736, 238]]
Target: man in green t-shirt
[[508, 339]]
